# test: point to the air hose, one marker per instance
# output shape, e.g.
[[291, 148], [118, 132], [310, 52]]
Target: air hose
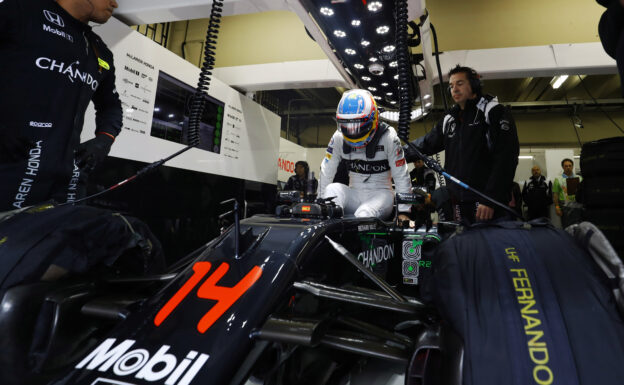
[[406, 103], [198, 101], [437, 57], [403, 65]]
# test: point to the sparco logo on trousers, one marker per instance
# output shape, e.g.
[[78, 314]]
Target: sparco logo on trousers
[[53, 18], [71, 70], [40, 124], [124, 362]]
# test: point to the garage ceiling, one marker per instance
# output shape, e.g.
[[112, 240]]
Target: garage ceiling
[[524, 94]]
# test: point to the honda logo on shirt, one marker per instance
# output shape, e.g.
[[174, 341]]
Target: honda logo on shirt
[[53, 18]]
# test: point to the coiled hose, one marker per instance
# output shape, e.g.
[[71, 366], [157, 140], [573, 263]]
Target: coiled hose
[[198, 102], [403, 65]]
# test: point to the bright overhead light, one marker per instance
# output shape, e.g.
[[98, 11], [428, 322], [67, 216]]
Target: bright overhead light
[[525, 156], [327, 11], [374, 6], [558, 81], [393, 116], [383, 29], [350, 51], [384, 84], [388, 48], [356, 23], [340, 33], [389, 93], [392, 102], [377, 97], [365, 43], [366, 78], [156, 109], [171, 115], [393, 64], [372, 88], [427, 96], [396, 76], [428, 104], [358, 66], [373, 59]]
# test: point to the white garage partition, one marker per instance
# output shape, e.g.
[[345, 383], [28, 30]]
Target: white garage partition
[[242, 137]]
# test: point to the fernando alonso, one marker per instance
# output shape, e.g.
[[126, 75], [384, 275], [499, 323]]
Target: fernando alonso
[[374, 156]]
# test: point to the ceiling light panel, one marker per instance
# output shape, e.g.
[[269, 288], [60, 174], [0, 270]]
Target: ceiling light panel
[[362, 33]]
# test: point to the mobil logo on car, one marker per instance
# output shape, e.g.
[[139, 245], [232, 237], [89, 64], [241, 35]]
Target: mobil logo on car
[[161, 366]]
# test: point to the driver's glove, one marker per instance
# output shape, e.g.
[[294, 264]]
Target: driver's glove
[[13, 148], [93, 151]]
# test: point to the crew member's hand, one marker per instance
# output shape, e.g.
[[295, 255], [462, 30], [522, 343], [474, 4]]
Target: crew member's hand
[[558, 211], [484, 213], [93, 151], [13, 148], [402, 218]]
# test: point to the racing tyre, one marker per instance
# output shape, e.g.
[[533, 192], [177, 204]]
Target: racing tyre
[[611, 223], [604, 191], [603, 157]]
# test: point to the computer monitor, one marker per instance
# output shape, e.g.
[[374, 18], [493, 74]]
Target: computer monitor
[[171, 114]]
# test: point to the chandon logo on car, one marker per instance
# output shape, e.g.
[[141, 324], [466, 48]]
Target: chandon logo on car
[[125, 362], [71, 70], [376, 255]]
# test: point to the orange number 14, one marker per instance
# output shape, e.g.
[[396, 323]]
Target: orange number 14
[[225, 296]]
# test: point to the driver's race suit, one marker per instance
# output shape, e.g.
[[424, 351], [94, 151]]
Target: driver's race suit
[[51, 67], [371, 171]]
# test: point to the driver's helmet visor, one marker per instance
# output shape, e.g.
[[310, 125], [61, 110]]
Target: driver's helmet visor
[[357, 117]]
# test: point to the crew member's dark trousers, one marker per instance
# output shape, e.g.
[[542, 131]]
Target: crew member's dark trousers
[[466, 212], [537, 212]]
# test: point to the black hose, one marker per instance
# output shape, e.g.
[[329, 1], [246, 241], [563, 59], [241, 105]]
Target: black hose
[[198, 101], [437, 57], [403, 64]]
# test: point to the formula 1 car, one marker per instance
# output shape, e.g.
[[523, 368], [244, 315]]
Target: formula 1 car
[[308, 297]]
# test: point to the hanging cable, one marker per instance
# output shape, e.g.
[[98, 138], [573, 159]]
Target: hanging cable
[[437, 56], [598, 105], [404, 68], [578, 138], [198, 101]]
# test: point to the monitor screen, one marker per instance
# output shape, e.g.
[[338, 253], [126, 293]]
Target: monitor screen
[[171, 114]]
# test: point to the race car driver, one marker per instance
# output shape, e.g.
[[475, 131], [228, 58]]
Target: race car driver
[[52, 66], [374, 156], [481, 143]]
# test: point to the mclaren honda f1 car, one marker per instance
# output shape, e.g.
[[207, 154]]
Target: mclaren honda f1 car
[[309, 297]]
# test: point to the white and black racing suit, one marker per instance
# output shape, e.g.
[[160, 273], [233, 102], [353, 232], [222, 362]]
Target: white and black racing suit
[[371, 171], [51, 67]]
